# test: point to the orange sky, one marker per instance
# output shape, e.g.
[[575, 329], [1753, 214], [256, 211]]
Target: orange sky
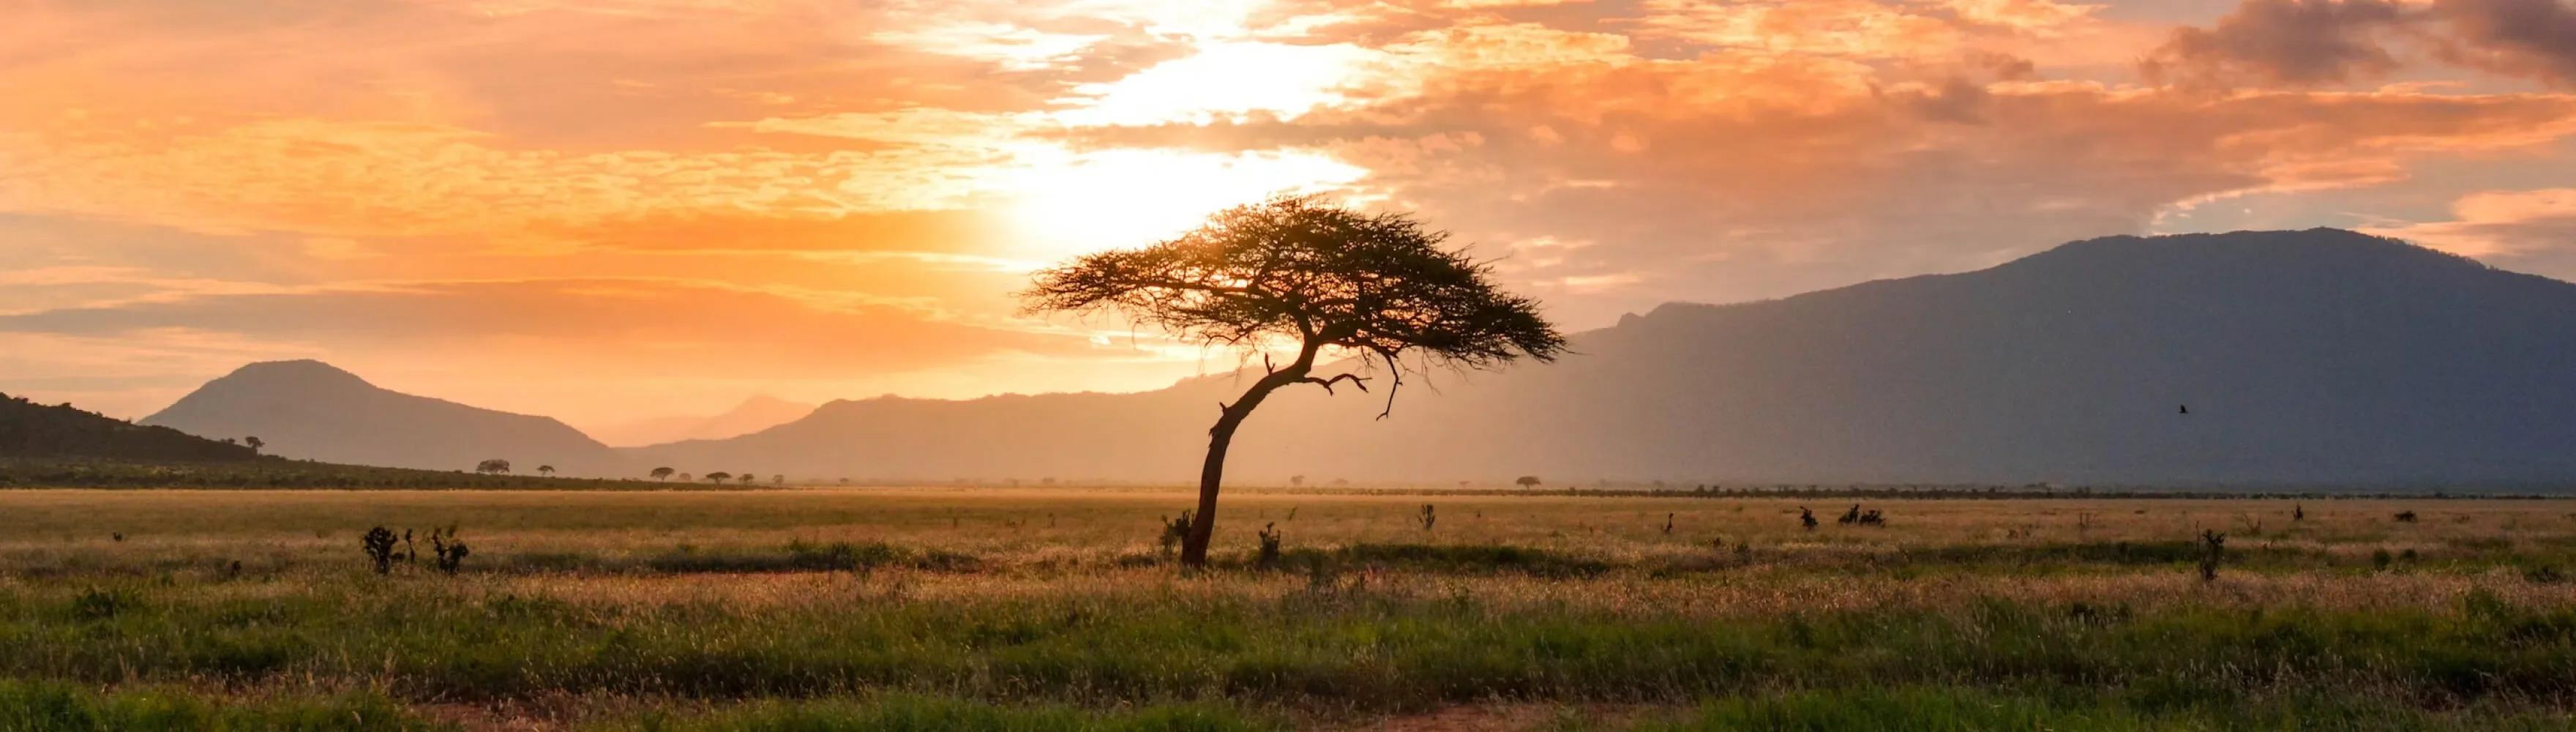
[[613, 209]]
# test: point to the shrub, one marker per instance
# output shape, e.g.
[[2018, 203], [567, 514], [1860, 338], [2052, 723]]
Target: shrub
[[2214, 546], [1174, 530], [1269, 557], [379, 543], [451, 553], [2405, 517]]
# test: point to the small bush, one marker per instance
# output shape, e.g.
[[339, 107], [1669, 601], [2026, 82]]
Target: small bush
[[2214, 550], [1269, 556], [1174, 531], [451, 553], [379, 543]]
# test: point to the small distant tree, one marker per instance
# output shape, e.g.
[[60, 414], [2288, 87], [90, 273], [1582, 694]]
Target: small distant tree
[[1527, 481], [685, 477], [1297, 480], [778, 480], [495, 466], [662, 473], [748, 477], [719, 477], [545, 470], [254, 442], [1294, 269]]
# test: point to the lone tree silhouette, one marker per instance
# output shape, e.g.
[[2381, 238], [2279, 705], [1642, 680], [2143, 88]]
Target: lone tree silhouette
[[545, 470], [1527, 481], [254, 442], [662, 473], [495, 466], [1373, 288]]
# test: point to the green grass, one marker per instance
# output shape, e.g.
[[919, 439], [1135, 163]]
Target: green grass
[[919, 713], [46, 706], [1339, 647], [1937, 708], [941, 610]]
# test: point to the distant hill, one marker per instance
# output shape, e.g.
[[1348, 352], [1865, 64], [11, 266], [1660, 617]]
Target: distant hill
[[752, 415], [2318, 357], [311, 410], [31, 430], [2309, 358]]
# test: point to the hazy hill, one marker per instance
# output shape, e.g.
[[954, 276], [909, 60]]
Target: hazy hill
[[310, 410], [31, 430], [2309, 357], [752, 415]]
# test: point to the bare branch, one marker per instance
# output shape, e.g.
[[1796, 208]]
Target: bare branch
[[1337, 378]]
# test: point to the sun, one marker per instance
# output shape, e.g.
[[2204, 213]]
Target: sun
[[1071, 203]]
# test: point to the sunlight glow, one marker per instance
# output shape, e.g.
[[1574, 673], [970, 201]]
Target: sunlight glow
[[1121, 198], [1226, 80]]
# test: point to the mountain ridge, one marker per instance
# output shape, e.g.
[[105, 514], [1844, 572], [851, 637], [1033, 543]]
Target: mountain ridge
[[311, 410], [2305, 357]]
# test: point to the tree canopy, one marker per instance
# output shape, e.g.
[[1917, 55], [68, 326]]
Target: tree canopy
[[1294, 269]]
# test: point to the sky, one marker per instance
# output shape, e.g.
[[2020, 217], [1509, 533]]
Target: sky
[[606, 210]]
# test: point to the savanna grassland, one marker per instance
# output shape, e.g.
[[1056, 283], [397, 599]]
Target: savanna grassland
[[1060, 609]]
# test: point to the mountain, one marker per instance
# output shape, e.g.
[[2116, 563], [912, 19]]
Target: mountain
[[752, 415], [2318, 357], [311, 410], [31, 430]]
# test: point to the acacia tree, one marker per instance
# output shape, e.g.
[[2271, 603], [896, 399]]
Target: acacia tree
[[1377, 289], [663, 474]]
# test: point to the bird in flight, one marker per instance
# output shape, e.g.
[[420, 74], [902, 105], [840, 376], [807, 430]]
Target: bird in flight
[[2186, 408]]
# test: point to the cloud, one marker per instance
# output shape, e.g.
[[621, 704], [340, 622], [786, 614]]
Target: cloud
[[1752, 173], [708, 323], [2320, 42], [2525, 229], [2523, 37], [2294, 42]]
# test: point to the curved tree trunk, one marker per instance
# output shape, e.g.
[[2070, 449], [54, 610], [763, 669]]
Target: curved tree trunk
[[1194, 545]]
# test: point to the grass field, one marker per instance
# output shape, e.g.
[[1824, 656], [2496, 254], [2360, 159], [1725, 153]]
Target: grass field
[[1057, 609]]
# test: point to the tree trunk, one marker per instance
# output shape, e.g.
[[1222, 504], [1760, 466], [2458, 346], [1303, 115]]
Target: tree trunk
[[1194, 545]]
